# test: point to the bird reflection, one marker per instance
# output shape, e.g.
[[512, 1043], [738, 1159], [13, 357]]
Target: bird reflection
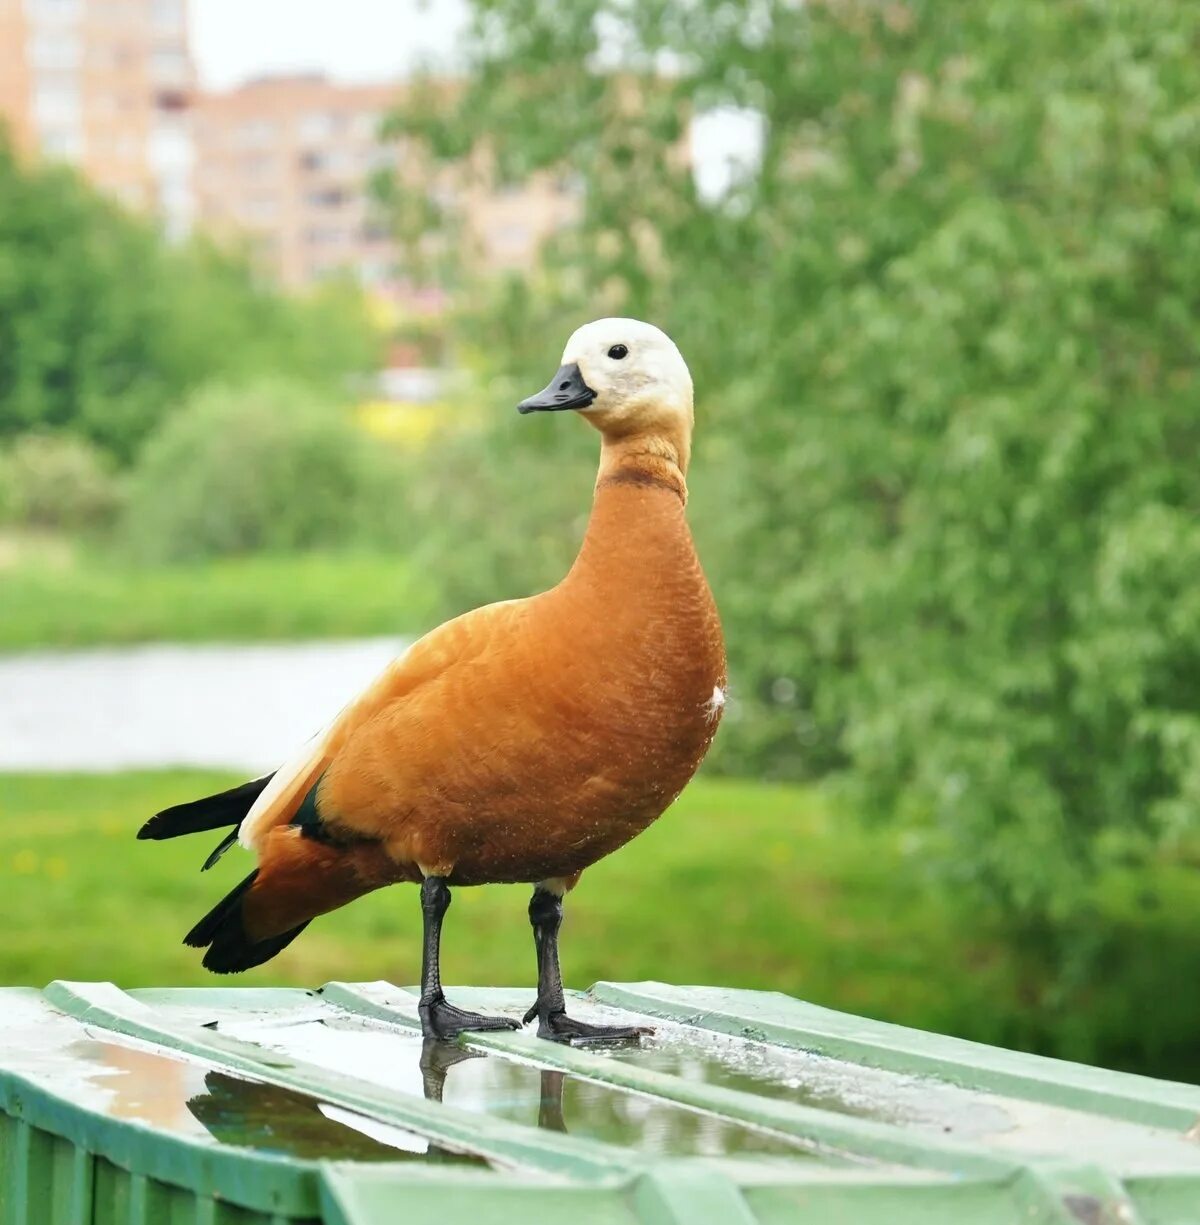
[[550, 1108], [249, 1114], [244, 1113], [437, 1058]]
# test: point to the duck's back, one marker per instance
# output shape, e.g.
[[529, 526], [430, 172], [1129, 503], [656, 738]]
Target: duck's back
[[563, 725]]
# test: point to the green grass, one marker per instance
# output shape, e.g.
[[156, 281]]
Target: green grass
[[739, 884], [54, 597]]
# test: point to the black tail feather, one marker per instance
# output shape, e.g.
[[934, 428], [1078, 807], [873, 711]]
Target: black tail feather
[[212, 812], [229, 948], [224, 845]]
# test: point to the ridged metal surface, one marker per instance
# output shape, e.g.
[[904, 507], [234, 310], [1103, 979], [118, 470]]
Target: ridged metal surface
[[238, 1106]]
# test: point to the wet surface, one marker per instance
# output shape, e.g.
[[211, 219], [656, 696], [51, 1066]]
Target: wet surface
[[135, 1083], [175, 1095], [507, 1089], [918, 1104], [127, 1079]]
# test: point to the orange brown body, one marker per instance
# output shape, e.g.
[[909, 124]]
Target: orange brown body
[[523, 741]]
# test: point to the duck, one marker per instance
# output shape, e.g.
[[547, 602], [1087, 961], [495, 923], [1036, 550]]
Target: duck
[[519, 743]]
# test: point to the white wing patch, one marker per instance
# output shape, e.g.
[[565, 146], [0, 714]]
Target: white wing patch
[[285, 776]]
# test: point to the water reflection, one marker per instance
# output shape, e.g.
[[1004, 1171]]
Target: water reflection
[[185, 1097], [437, 1058], [491, 1084], [250, 1115], [177, 1096]]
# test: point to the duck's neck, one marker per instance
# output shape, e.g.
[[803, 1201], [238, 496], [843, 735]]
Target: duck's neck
[[647, 459], [637, 537]]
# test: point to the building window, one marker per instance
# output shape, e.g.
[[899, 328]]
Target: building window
[[259, 166], [260, 210], [54, 10], [255, 133], [328, 197], [56, 103], [65, 144], [169, 65], [55, 49], [317, 127], [168, 15]]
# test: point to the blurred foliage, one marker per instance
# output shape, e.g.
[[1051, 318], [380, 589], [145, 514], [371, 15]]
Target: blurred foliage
[[270, 467], [57, 594], [58, 483], [104, 326], [945, 343], [898, 949]]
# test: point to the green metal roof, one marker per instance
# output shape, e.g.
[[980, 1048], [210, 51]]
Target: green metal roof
[[237, 1106]]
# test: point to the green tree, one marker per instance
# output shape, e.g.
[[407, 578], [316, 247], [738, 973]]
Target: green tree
[[269, 467], [945, 345], [104, 326]]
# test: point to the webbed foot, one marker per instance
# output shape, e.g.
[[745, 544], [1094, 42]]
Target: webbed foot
[[441, 1019], [558, 1027]]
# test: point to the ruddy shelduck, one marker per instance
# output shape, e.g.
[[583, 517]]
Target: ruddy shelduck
[[518, 743]]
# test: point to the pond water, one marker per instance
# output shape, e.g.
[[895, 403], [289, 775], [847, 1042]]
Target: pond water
[[222, 706]]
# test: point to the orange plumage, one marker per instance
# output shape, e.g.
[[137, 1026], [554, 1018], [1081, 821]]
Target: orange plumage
[[525, 740]]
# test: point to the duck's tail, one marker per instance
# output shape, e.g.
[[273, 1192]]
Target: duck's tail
[[211, 812], [223, 933], [298, 878]]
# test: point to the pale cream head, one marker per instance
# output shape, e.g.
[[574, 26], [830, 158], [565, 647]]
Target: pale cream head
[[640, 378], [629, 380]]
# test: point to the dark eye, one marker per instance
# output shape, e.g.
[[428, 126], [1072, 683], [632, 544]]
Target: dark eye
[[617, 352]]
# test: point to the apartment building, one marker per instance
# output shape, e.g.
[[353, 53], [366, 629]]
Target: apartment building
[[284, 164], [105, 85], [281, 165]]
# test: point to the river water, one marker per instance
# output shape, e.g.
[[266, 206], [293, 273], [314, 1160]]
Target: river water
[[241, 707]]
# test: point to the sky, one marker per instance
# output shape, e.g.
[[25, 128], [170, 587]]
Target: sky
[[350, 40], [379, 40]]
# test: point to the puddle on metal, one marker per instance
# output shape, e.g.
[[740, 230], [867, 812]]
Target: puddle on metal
[[920, 1104], [186, 1098], [167, 1093], [504, 1088]]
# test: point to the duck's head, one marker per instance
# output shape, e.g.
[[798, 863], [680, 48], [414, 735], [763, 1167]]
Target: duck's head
[[628, 379]]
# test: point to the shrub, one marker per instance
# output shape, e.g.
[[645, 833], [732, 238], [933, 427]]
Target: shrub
[[104, 326], [946, 327], [269, 467], [57, 482]]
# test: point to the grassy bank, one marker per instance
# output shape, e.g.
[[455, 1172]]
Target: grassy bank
[[741, 884], [55, 596]]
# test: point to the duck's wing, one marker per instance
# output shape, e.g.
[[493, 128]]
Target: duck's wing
[[424, 661]]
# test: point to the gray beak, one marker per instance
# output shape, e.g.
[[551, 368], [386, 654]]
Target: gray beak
[[565, 390]]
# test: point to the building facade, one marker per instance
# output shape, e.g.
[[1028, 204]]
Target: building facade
[[281, 166], [285, 165], [105, 85]]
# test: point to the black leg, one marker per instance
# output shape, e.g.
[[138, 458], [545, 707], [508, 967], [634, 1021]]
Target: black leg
[[438, 1018], [550, 1008]]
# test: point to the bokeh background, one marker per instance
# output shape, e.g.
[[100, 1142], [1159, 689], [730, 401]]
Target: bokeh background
[[272, 277]]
